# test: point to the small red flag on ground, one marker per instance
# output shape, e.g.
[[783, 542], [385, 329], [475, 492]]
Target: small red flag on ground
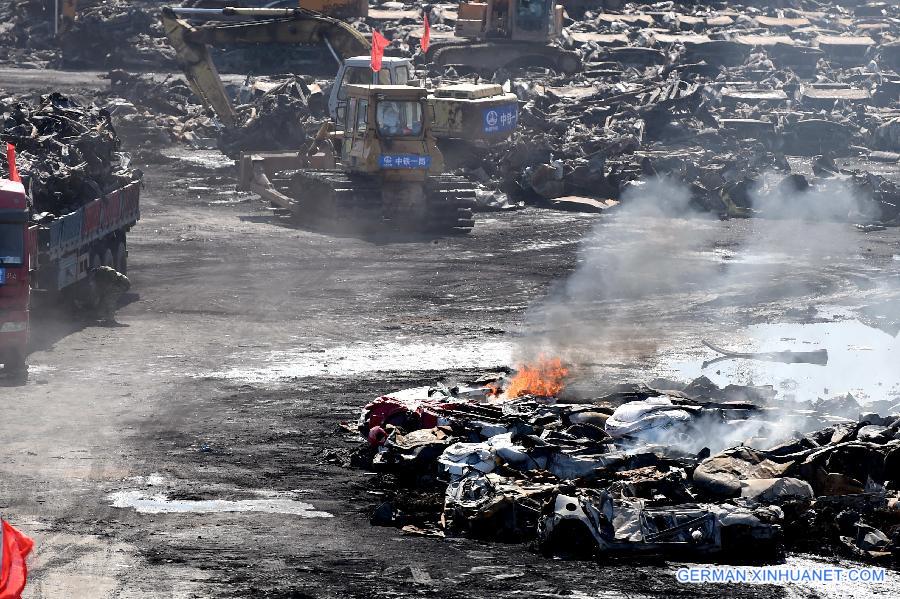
[[379, 43], [13, 571], [426, 35], [11, 162]]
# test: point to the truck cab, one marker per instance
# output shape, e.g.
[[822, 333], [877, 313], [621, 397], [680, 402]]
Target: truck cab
[[15, 245]]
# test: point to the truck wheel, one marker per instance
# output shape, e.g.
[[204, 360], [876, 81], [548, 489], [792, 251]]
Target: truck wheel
[[15, 363], [122, 258]]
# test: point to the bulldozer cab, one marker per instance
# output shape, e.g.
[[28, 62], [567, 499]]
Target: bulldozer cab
[[387, 130], [526, 20]]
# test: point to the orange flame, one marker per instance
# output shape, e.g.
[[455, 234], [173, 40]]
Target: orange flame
[[544, 378]]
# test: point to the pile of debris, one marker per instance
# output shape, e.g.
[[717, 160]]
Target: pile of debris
[[679, 470], [105, 34], [67, 154], [116, 34], [718, 98], [273, 113], [153, 112], [26, 34]]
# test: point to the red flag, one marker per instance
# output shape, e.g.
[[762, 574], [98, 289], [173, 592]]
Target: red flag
[[379, 43], [11, 161], [13, 571], [426, 35]]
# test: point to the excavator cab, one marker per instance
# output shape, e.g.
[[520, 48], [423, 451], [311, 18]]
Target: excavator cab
[[511, 34], [522, 20], [358, 71], [387, 130]]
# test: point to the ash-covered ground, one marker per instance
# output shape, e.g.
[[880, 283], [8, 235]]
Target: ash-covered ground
[[248, 341], [196, 452]]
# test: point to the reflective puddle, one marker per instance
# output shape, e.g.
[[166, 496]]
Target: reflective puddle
[[861, 360], [361, 358], [159, 504]]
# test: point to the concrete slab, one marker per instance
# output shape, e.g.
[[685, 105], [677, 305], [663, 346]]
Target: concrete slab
[[789, 23], [681, 38], [753, 96], [381, 14], [846, 49], [601, 39], [845, 41], [583, 204], [637, 19], [764, 40], [830, 94]]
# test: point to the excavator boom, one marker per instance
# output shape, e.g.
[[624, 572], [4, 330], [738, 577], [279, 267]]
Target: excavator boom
[[277, 25]]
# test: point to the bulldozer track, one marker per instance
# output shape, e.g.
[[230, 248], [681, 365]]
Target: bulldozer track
[[342, 201]]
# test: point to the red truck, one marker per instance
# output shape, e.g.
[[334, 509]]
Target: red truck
[[54, 258]]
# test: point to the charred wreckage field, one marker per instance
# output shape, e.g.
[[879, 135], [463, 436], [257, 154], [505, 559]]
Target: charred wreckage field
[[532, 409]]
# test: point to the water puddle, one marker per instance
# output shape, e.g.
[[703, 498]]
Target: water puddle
[[362, 358], [208, 159], [158, 503], [861, 360]]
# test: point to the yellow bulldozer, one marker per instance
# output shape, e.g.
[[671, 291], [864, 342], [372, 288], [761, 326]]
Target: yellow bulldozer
[[494, 34], [481, 114], [383, 170]]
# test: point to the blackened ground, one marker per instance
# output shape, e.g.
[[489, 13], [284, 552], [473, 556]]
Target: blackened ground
[[248, 341]]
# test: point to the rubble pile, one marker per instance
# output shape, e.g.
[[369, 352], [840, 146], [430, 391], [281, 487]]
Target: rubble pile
[[26, 37], [679, 470], [743, 102], [105, 34], [116, 34], [150, 111], [716, 97], [274, 113], [67, 154], [275, 116]]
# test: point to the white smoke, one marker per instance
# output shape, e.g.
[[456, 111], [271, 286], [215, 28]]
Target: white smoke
[[651, 278]]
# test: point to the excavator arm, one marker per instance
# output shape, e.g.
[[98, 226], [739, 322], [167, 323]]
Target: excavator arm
[[280, 26]]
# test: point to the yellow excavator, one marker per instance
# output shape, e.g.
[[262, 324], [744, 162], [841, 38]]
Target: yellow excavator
[[481, 114], [494, 34], [292, 26], [382, 171]]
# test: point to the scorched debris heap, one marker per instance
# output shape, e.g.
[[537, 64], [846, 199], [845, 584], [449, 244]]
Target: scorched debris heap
[[690, 472]]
